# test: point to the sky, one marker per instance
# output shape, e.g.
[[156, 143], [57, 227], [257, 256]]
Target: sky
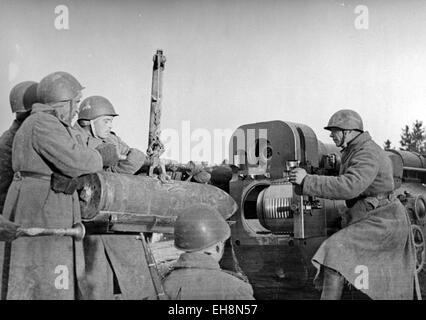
[[229, 63]]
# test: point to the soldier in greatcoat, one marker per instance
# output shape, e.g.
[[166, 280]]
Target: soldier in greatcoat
[[374, 251], [21, 98], [116, 264], [45, 144]]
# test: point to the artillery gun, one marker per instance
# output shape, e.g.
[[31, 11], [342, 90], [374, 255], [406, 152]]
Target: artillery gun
[[276, 230]]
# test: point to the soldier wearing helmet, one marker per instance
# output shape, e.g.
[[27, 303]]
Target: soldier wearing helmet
[[221, 176], [95, 118], [118, 268], [377, 232], [46, 145], [200, 232], [21, 98]]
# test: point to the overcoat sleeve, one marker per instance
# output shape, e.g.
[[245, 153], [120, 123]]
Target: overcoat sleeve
[[135, 158], [55, 144], [361, 171]]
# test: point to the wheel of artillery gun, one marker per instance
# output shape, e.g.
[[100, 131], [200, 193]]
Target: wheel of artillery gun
[[419, 245]]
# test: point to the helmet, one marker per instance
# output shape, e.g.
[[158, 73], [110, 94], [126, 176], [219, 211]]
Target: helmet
[[58, 86], [22, 96], [345, 120], [200, 227], [221, 175], [95, 106]]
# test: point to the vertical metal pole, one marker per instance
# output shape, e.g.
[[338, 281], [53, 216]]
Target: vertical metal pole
[[155, 146]]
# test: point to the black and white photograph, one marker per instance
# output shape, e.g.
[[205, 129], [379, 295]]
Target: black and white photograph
[[221, 151]]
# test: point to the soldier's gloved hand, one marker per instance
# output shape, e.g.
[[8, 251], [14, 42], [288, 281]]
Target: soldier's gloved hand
[[123, 149], [297, 175], [109, 154], [8, 229]]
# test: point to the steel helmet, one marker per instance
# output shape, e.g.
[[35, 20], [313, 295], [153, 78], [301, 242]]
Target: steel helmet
[[95, 106], [58, 86], [23, 96], [345, 120], [200, 227], [221, 175]]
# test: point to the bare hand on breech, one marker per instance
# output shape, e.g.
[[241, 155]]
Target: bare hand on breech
[[8, 229], [297, 175]]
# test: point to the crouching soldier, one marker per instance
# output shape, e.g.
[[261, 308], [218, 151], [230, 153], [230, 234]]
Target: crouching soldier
[[374, 251], [116, 267], [201, 232], [47, 267]]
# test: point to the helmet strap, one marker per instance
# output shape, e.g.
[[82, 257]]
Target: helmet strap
[[345, 140], [21, 116], [92, 126], [73, 116], [344, 143], [63, 111]]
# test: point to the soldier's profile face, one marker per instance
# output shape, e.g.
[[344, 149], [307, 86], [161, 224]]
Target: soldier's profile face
[[75, 108], [103, 126]]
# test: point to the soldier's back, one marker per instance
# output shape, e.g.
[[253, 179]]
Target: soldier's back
[[6, 171], [197, 276]]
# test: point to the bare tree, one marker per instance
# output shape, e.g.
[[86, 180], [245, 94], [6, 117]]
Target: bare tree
[[387, 145], [414, 139]]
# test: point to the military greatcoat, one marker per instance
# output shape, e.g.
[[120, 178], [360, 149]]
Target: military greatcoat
[[6, 171], [45, 267], [116, 264], [374, 252]]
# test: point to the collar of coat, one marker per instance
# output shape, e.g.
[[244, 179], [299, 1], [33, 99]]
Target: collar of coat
[[196, 260], [40, 107], [359, 140], [15, 125]]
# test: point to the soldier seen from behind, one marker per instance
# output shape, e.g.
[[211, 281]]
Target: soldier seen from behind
[[373, 251], [201, 232]]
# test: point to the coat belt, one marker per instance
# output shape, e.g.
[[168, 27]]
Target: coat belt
[[24, 174], [380, 199]]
